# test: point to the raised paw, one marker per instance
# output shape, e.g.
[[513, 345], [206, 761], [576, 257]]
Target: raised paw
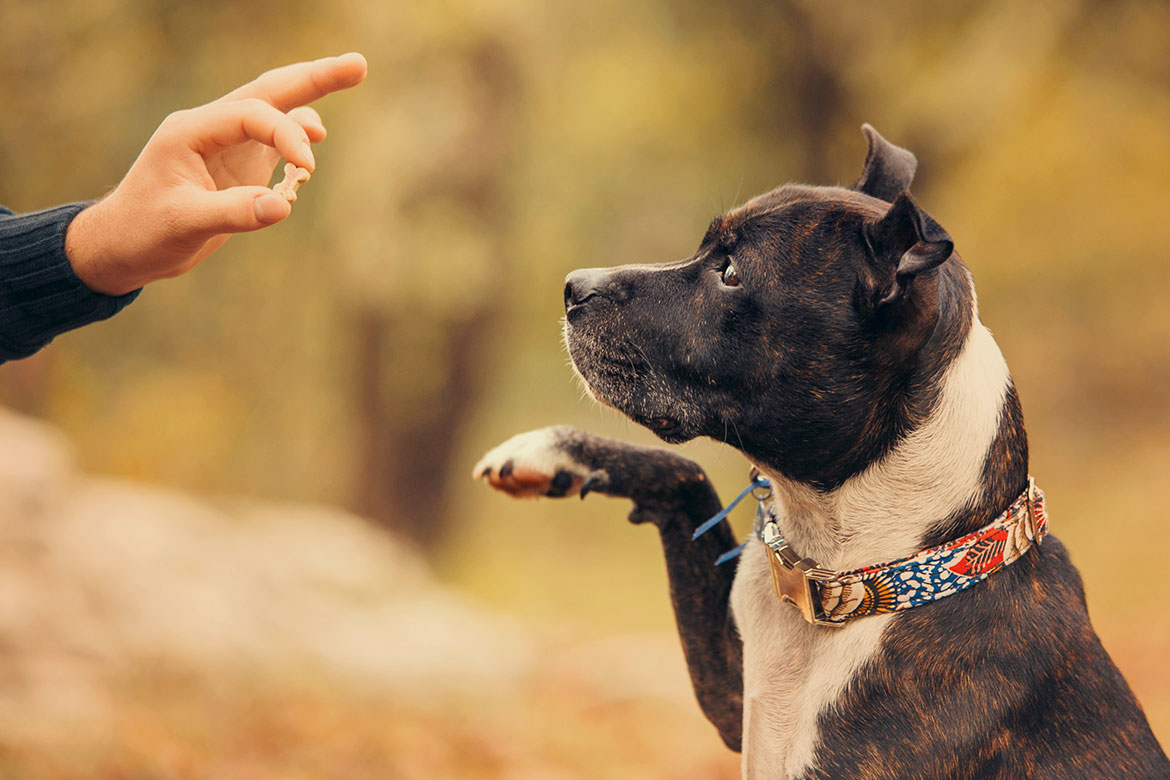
[[535, 464]]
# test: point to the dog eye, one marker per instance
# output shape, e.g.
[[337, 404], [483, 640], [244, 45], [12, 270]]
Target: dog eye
[[730, 276]]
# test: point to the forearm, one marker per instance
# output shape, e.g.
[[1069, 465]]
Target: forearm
[[40, 294], [673, 494], [700, 592]]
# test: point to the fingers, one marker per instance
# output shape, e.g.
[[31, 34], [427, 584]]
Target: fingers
[[302, 83], [219, 125], [310, 121], [235, 210]]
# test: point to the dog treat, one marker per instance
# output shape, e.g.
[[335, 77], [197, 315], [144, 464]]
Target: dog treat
[[294, 177]]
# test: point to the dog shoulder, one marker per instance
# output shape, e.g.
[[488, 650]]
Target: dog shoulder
[[1010, 675]]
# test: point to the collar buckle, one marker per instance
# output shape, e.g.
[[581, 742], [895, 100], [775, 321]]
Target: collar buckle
[[796, 580], [1033, 524]]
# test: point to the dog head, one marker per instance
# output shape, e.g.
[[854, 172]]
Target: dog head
[[804, 330]]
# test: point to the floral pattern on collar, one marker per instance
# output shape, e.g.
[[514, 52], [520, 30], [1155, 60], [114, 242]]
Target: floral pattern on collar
[[931, 574]]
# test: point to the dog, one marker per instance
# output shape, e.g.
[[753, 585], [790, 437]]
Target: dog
[[832, 335]]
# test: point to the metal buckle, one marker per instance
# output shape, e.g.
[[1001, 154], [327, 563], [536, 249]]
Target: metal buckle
[[760, 493], [1032, 521], [795, 579]]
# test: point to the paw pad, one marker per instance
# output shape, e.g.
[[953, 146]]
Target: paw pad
[[536, 464]]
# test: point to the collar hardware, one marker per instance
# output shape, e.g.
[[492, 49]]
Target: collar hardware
[[795, 579], [828, 598]]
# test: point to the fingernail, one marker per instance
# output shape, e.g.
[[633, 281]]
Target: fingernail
[[307, 153], [269, 208], [359, 57]]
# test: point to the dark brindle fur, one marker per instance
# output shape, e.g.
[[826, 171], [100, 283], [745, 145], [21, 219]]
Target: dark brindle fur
[[822, 365]]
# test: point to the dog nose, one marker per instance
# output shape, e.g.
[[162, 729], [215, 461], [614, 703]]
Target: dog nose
[[581, 285]]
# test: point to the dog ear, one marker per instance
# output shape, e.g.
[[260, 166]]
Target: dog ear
[[888, 169], [903, 243]]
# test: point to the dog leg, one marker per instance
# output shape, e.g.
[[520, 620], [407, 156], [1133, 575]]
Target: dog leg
[[673, 494]]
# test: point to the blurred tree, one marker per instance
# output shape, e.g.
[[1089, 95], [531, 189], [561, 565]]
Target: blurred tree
[[419, 340], [406, 318], [500, 143], [803, 89]]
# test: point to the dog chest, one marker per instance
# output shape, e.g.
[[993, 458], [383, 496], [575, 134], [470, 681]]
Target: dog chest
[[792, 671]]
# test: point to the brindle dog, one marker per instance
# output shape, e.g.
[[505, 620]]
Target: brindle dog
[[832, 335]]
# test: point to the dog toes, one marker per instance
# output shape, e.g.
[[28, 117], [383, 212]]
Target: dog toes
[[561, 484], [524, 482], [532, 464]]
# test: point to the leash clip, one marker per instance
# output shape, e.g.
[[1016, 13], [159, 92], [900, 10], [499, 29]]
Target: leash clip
[[755, 484], [761, 485]]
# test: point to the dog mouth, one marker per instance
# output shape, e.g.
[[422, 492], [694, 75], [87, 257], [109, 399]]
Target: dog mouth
[[661, 425], [615, 374], [669, 429], [610, 369]]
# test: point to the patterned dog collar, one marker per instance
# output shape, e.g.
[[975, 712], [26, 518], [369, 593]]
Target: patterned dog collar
[[829, 598]]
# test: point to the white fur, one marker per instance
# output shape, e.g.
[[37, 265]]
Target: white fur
[[793, 672], [534, 450]]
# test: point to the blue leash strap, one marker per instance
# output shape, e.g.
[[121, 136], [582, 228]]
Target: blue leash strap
[[757, 530], [715, 519], [756, 481], [730, 555]]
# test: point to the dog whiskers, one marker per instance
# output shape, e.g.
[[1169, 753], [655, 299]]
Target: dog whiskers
[[739, 438]]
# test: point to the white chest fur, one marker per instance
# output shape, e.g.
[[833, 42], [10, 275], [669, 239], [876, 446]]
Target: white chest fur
[[794, 672]]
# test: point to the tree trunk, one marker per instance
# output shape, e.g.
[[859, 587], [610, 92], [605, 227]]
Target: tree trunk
[[407, 442]]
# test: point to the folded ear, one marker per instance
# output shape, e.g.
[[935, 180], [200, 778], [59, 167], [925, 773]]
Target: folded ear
[[902, 244], [888, 169]]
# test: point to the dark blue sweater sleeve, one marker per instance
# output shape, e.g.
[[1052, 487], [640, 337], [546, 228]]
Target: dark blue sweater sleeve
[[40, 296]]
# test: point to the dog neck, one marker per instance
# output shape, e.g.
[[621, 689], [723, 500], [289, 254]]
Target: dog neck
[[931, 481]]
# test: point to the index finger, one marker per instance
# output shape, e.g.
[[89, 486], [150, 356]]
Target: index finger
[[302, 83]]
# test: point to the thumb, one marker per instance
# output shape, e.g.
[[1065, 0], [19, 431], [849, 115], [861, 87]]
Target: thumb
[[238, 210]]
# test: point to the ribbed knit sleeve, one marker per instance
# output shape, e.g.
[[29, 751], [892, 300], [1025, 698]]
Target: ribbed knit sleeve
[[40, 296]]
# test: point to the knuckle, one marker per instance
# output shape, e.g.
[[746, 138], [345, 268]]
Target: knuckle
[[268, 75], [172, 220], [175, 120], [254, 104], [307, 112]]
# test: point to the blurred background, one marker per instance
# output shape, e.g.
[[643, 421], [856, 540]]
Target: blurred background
[[238, 537]]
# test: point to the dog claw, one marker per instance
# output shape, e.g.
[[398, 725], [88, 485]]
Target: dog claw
[[536, 464], [594, 482]]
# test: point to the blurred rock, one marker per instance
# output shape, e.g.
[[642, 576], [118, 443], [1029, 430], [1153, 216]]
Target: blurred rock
[[35, 464], [148, 633], [104, 580]]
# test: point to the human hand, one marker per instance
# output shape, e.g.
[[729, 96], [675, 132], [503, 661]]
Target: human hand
[[202, 176]]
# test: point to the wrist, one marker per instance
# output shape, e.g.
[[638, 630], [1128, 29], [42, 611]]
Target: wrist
[[91, 256], [41, 296]]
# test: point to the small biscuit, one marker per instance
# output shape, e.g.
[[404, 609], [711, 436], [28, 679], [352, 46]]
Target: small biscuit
[[294, 177]]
